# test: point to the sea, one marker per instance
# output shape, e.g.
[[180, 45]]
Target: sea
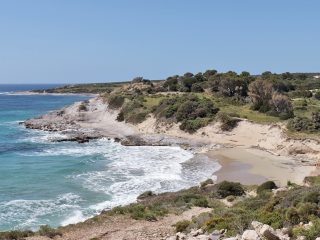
[[48, 183]]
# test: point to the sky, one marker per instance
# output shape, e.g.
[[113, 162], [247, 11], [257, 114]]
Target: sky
[[77, 41]]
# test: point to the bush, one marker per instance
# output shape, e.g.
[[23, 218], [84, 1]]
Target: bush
[[146, 194], [305, 210], [47, 231], [206, 182], [120, 117], [292, 216], [182, 226], [82, 107], [231, 198], [317, 95], [201, 202], [227, 123], [312, 197], [225, 189], [136, 117], [311, 233], [191, 126], [196, 87], [115, 101], [301, 124], [269, 185]]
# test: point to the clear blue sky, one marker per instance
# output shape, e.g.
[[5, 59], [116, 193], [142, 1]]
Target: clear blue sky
[[70, 41]]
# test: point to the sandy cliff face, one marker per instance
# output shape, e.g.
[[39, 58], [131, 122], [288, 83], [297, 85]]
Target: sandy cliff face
[[247, 134]]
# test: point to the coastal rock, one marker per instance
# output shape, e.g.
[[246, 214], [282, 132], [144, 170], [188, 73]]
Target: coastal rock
[[301, 238], [181, 236], [265, 231], [250, 235], [215, 236], [196, 233]]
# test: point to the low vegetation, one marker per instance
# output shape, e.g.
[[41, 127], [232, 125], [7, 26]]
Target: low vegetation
[[193, 100], [286, 208]]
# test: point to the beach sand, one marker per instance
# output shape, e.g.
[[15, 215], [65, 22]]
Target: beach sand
[[254, 166]]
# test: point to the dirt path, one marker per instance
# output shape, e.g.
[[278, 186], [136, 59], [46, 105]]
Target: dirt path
[[125, 228]]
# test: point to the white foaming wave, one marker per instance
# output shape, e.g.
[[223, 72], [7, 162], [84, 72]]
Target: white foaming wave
[[76, 216], [37, 136], [128, 172], [27, 213], [191, 173], [10, 124], [65, 149]]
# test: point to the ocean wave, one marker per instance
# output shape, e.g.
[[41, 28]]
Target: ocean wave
[[118, 175], [25, 214]]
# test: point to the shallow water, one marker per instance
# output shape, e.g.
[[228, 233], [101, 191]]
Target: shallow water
[[42, 182]]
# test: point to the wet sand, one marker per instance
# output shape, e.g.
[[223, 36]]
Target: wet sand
[[253, 166]]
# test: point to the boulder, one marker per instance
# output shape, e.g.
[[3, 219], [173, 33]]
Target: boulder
[[215, 235], [250, 235], [265, 231], [195, 232], [181, 236], [268, 232], [202, 237], [301, 238]]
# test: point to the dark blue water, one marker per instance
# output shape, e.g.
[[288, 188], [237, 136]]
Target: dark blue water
[[42, 182], [7, 88]]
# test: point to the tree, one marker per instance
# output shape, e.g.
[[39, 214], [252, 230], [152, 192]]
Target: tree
[[245, 74], [188, 75], [210, 73], [196, 87], [137, 79], [282, 105], [260, 93]]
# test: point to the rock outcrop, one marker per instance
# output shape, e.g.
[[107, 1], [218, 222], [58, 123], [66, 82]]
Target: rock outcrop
[[260, 231]]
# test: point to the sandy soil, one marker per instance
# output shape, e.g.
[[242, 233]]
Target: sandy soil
[[125, 228], [254, 166], [247, 134]]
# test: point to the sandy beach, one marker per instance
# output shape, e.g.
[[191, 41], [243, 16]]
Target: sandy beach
[[254, 166]]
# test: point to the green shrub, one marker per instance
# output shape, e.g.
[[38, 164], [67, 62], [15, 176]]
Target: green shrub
[[182, 226], [146, 194], [191, 126], [274, 218], [292, 216], [230, 198], [201, 202], [115, 101], [269, 185], [120, 117], [227, 123], [300, 124], [193, 112], [47, 231], [317, 95], [82, 107], [225, 189], [311, 233], [206, 182], [136, 117], [306, 210], [312, 197]]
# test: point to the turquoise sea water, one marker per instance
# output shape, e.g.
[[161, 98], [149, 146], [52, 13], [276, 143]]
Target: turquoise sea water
[[42, 182]]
